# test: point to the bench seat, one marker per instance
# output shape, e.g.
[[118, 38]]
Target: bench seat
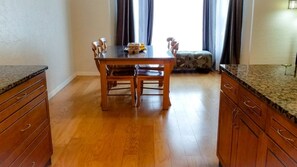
[[193, 61]]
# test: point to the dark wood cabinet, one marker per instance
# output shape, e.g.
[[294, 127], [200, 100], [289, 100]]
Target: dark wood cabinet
[[245, 140], [272, 155], [25, 137], [250, 133], [227, 110], [283, 132], [228, 100]]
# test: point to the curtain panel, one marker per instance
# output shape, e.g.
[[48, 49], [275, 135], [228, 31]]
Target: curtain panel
[[232, 43], [214, 26], [146, 17], [150, 21], [125, 22], [209, 27]]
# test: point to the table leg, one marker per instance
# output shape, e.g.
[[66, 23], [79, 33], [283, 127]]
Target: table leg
[[167, 71], [103, 86]]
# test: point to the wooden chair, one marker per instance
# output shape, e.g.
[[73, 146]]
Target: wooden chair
[[122, 69], [153, 75], [115, 76]]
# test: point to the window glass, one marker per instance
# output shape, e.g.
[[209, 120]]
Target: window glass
[[181, 19]]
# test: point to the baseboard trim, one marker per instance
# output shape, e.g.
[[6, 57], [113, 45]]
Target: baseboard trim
[[68, 80], [87, 74], [61, 86]]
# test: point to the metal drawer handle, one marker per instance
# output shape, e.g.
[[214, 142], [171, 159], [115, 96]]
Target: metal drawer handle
[[26, 128], [249, 106], [21, 96], [228, 86], [286, 138]]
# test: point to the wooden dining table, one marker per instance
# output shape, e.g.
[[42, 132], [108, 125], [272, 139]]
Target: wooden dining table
[[117, 55]]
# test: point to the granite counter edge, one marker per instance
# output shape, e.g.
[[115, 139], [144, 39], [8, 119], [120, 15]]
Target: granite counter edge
[[272, 104], [15, 84]]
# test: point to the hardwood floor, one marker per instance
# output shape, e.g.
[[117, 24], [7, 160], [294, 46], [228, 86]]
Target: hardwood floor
[[184, 135]]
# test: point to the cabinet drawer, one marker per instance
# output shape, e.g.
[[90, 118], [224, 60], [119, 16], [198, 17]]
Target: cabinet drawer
[[15, 138], [229, 87], [14, 99], [38, 153], [283, 132], [252, 106]]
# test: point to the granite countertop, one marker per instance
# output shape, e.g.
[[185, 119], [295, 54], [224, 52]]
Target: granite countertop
[[14, 75], [275, 84]]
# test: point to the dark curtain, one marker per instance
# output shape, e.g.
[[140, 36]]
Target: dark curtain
[[232, 43], [150, 21], [125, 22], [209, 14]]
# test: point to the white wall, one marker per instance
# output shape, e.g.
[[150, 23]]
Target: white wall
[[36, 32], [269, 32], [91, 19]]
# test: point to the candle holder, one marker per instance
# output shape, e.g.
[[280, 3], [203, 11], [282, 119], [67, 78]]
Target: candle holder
[[286, 66]]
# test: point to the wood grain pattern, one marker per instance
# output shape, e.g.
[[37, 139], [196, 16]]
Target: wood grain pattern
[[148, 136]]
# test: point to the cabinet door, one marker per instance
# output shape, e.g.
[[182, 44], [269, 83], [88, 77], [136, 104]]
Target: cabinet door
[[227, 109], [272, 155], [245, 141]]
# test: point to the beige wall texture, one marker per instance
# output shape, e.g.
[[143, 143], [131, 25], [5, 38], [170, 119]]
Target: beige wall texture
[[37, 32], [90, 20], [269, 32], [56, 33]]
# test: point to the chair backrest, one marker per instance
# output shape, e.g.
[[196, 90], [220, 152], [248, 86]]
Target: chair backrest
[[103, 43], [174, 48], [173, 45], [169, 40], [96, 48], [99, 46]]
